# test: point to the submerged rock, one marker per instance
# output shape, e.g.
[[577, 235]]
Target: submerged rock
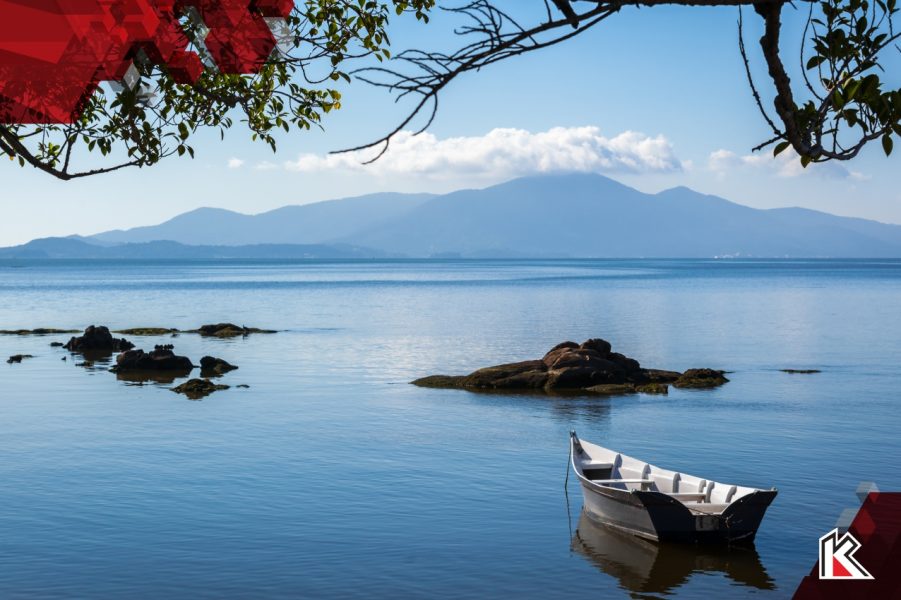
[[700, 378], [661, 376], [17, 358], [162, 358], [210, 366], [56, 344], [198, 388], [589, 367], [38, 331], [98, 339], [147, 331], [801, 371], [227, 330], [612, 389], [653, 388]]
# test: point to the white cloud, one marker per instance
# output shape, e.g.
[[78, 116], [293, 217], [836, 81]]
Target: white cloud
[[235, 163], [505, 153], [787, 164]]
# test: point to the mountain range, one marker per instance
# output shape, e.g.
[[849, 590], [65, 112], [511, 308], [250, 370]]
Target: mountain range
[[549, 216]]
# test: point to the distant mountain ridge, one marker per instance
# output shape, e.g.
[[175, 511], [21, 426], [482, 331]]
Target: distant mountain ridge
[[573, 215], [316, 223]]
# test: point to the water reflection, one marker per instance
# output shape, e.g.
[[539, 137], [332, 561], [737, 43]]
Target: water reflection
[[142, 377], [646, 567], [92, 360]]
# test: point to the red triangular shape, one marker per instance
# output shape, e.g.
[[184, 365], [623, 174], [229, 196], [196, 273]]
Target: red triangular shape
[[838, 569]]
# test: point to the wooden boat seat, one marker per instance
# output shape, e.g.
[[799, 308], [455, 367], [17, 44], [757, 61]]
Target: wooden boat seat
[[689, 496], [591, 464], [609, 481]]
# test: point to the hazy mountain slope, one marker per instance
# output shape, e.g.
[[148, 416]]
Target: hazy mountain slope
[[561, 215], [592, 216], [305, 224]]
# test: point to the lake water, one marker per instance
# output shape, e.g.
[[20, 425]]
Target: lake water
[[331, 476]]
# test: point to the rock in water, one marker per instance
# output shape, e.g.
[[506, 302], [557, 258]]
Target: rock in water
[[210, 366], [98, 339], [162, 358], [17, 358], [152, 331], [38, 331], [801, 371], [612, 389], [700, 378], [226, 330], [590, 367], [198, 388], [653, 388]]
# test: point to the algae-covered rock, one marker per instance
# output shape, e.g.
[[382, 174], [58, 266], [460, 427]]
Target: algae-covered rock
[[612, 389], [440, 381], [700, 378], [38, 331], [139, 331], [227, 330], [198, 388], [653, 388], [591, 367]]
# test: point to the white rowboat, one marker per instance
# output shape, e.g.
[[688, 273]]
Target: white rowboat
[[661, 505]]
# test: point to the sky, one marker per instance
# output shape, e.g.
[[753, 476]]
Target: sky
[[654, 97]]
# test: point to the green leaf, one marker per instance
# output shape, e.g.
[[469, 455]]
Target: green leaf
[[780, 147]]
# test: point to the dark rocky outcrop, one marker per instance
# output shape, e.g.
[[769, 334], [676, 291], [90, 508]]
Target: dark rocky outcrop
[[801, 371], [198, 388], [590, 367], [98, 339], [700, 378], [162, 358], [227, 330], [56, 344], [210, 366], [17, 358]]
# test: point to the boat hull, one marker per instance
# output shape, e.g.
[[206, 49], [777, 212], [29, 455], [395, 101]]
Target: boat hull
[[659, 517]]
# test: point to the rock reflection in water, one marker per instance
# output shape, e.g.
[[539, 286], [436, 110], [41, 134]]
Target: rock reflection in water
[[647, 567], [142, 377]]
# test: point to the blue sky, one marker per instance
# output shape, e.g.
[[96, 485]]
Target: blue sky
[[654, 97]]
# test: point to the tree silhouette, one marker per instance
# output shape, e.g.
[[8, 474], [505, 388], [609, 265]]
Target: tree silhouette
[[843, 103]]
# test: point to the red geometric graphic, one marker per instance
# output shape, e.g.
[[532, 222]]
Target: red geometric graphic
[[877, 526], [54, 53]]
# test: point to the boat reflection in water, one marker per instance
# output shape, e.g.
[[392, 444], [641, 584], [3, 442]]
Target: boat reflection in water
[[648, 567]]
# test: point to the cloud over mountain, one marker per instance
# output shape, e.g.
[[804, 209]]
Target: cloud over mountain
[[504, 153]]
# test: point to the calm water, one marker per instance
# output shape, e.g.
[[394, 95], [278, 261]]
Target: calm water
[[332, 477]]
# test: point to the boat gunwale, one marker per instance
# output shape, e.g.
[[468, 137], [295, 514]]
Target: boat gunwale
[[618, 492]]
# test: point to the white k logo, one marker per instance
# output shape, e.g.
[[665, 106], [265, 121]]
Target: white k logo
[[837, 557]]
